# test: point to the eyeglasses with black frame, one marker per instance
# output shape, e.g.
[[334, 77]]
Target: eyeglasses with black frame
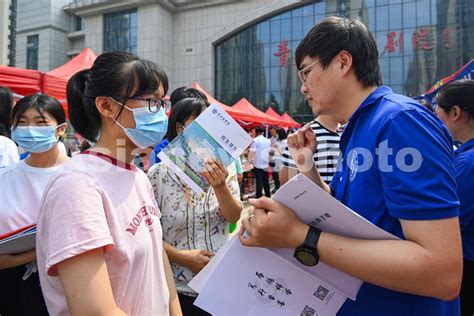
[[155, 104]]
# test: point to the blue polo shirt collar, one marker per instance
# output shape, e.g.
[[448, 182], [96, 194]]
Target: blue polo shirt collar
[[465, 147], [370, 101]]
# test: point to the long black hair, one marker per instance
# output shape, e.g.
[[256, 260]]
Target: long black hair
[[281, 134], [120, 75], [182, 111], [6, 102], [43, 104]]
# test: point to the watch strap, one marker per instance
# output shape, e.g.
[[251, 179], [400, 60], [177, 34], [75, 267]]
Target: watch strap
[[312, 237]]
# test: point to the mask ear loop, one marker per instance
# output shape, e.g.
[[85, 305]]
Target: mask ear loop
[[120, 112], [181, 126], [56, 129]]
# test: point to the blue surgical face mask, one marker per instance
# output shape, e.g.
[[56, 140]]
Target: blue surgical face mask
[[150, 128], [35, 139]]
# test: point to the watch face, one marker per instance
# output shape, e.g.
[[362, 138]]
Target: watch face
[[306, 257]]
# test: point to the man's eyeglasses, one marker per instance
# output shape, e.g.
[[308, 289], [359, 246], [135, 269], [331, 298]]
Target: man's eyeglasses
[[303, 73], [154, 104]]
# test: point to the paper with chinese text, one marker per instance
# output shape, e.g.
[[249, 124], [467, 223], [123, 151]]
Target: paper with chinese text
[[213, 134], [313, 206]]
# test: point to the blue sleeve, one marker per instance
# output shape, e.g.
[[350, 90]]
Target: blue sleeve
[[419, 182], [333, 185], [465, 183], [154, 154]]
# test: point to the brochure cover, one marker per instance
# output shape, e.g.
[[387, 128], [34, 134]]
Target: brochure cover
[[214, 134], [18, 241]]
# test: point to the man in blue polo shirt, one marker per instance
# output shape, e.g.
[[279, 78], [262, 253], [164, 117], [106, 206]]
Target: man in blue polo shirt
[[396, 170]]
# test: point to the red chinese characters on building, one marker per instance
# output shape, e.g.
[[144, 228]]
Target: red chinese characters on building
[[447, 38], [283, 52], [419, 39], [393, 42]]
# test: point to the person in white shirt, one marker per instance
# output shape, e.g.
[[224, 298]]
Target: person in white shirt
[[8, 149], [38, 122], [258, 155], [278, 142], [8, 152]]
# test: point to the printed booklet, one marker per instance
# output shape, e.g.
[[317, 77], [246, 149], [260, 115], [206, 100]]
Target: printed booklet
[[271, 281], [18, 241], [213, 134]]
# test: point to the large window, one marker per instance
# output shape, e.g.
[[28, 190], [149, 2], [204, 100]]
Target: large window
[[32, 46], [419, 43], [77, 21], [120, 31]]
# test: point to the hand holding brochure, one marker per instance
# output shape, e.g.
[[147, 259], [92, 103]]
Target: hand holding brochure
[[18, 241], [321, 288], [213, 134]]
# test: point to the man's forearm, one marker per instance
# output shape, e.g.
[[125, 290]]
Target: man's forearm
[[313, 175], [286, 173], [401, 265]]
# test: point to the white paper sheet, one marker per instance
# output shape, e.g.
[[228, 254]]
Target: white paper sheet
[[199, 280], [265, 285], [225, 285], [315, 206]]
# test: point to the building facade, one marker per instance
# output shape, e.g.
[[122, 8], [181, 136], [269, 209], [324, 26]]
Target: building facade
[[7, 32], [242, 48]]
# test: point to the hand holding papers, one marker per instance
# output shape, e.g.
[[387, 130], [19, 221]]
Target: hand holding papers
[[321, 288], [255, 281], [18, 241], [214, 134]]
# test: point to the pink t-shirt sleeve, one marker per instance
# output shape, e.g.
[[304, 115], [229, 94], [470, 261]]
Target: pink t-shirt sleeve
[[72, 220]]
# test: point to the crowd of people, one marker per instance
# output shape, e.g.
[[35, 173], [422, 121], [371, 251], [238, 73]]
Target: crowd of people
[[114, 240]]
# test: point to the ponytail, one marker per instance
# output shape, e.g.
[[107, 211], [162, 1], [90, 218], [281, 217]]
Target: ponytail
[[120, 75], [83, 114]]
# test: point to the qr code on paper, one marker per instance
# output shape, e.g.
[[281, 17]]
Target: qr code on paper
[[308, 311], [321, 293]]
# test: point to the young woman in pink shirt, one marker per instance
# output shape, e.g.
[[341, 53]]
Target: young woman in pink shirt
[[100, 248]]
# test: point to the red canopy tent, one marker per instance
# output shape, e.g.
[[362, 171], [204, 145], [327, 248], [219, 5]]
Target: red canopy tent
[[21, 81], [241, 117], [55, 81], [209, 97], [245, 113], [84, 60], [283, 123], [287, 117], [25, 81], [249, 113]]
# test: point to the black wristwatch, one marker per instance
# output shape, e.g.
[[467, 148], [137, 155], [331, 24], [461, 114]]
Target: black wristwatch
[[307, 252]]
